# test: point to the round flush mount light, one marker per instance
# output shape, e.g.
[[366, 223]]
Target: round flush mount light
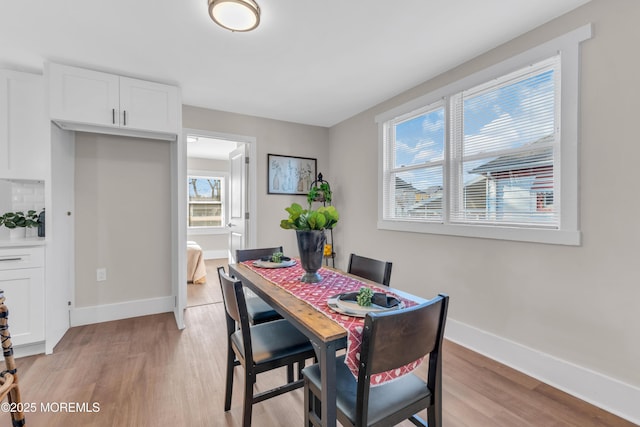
[[235, 15]]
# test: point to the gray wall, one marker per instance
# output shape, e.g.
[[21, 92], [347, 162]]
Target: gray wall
[[275, 137], [579, 304], [122, 219]]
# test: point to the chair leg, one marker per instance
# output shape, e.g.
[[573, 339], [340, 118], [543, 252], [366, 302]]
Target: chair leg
[[434, 417], [249, 380], [290, 373], [307, 403], [229, 387]]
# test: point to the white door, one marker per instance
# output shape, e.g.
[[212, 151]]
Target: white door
[[60, 248], [237, 223], [179, 228]]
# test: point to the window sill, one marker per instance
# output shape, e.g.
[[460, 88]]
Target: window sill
[[554, 237], [206, 231]]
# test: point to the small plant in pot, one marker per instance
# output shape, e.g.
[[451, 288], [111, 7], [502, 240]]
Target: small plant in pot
[[320, 193], [14, 220], [310, 225]]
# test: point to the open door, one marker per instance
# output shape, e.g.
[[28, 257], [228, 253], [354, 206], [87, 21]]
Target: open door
[[238, 218], [179, 227]]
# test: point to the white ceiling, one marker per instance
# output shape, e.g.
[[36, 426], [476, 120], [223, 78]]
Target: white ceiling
[[314, 62], [209, 148]]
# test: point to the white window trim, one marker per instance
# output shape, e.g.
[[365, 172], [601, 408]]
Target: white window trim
[[199, 231], [568, 45]]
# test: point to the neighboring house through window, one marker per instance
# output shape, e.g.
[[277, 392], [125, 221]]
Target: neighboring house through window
[[492, 155]]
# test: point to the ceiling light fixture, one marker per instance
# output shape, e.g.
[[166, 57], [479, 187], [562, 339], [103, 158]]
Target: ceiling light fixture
[[235, 15]]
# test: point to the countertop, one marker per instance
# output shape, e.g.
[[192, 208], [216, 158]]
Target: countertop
[[29, 241]]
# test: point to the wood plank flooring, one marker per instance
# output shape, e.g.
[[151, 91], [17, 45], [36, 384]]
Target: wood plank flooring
[[208, 292], [145, 372]]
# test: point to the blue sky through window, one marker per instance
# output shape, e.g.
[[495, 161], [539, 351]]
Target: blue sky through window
[[512, 115]]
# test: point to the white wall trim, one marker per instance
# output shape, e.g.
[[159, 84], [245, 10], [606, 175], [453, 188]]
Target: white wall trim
[[124, 310], [32, 349], [604, 392], [216, 254]]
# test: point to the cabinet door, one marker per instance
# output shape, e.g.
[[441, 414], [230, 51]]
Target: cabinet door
[[23, 124], [24, 293], [83, 96], [148, 106]]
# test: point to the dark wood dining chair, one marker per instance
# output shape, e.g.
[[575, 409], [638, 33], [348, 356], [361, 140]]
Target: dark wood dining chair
[[9, 377], [417, 331], [259, 311], [369, 268], [259, 348]]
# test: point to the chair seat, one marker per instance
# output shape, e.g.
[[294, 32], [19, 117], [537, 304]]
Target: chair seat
[[260, 312], [384, 399], [273, 341]]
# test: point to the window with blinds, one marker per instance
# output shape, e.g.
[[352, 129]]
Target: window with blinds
[[492, 155], [415, 165], [504, 139]]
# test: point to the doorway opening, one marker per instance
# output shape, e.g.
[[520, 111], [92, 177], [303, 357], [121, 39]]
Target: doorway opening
[[212, 208]]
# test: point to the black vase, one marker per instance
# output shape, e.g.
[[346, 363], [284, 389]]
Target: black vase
[[311, 250]]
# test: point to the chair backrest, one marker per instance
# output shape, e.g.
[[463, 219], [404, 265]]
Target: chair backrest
[[249, 254], [417, 331], [236, 309], [369, 268]]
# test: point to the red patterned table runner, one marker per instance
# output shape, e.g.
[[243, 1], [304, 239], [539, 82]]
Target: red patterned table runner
[[316, 294]]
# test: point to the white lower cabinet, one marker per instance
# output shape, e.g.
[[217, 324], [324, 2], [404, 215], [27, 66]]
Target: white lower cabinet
[[22, 280]]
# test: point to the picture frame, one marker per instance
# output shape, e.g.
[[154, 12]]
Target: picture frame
[[290, 174]]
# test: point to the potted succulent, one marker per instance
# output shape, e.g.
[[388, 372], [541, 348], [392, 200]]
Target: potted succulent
[[310, 225], [17, 220]]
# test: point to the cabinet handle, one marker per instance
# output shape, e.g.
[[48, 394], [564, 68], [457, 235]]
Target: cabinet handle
[[113, 116], [125, 117], [11, 259]]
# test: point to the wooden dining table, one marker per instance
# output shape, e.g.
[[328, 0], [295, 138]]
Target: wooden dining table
[[326, 335]]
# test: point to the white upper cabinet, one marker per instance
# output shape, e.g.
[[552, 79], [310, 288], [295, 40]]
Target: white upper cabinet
[[24, 151], [84, 96], [148, 105], [81, 99]]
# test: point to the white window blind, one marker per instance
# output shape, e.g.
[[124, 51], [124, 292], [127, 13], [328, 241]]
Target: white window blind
[[504, 139], [413, 188], [492, 155]]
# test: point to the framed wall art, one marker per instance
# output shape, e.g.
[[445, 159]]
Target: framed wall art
[[290, 175]]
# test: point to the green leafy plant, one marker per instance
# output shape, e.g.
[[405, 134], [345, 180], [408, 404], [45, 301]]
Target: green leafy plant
[[319, 193], [322, 218], [13, 220], [277, 257], [364, 296]]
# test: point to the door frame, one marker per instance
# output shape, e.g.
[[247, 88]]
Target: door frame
[[252, 199]]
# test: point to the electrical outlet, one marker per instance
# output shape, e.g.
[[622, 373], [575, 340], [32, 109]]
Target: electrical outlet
[[101, 274]]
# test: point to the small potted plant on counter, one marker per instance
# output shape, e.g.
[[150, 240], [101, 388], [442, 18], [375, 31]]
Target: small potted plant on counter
[[310, 225], [19, 222]]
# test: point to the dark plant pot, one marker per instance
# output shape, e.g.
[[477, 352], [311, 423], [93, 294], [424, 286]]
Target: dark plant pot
[[311, 250]]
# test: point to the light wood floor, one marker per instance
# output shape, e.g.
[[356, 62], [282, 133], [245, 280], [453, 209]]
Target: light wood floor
[[208, 292], [145, 372]]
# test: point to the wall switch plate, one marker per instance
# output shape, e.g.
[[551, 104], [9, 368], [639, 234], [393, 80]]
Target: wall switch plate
[[101, 274]]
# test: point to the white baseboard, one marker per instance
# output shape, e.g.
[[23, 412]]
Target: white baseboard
[[24, 350], [604, 392], [215, 254], [124, 310]]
